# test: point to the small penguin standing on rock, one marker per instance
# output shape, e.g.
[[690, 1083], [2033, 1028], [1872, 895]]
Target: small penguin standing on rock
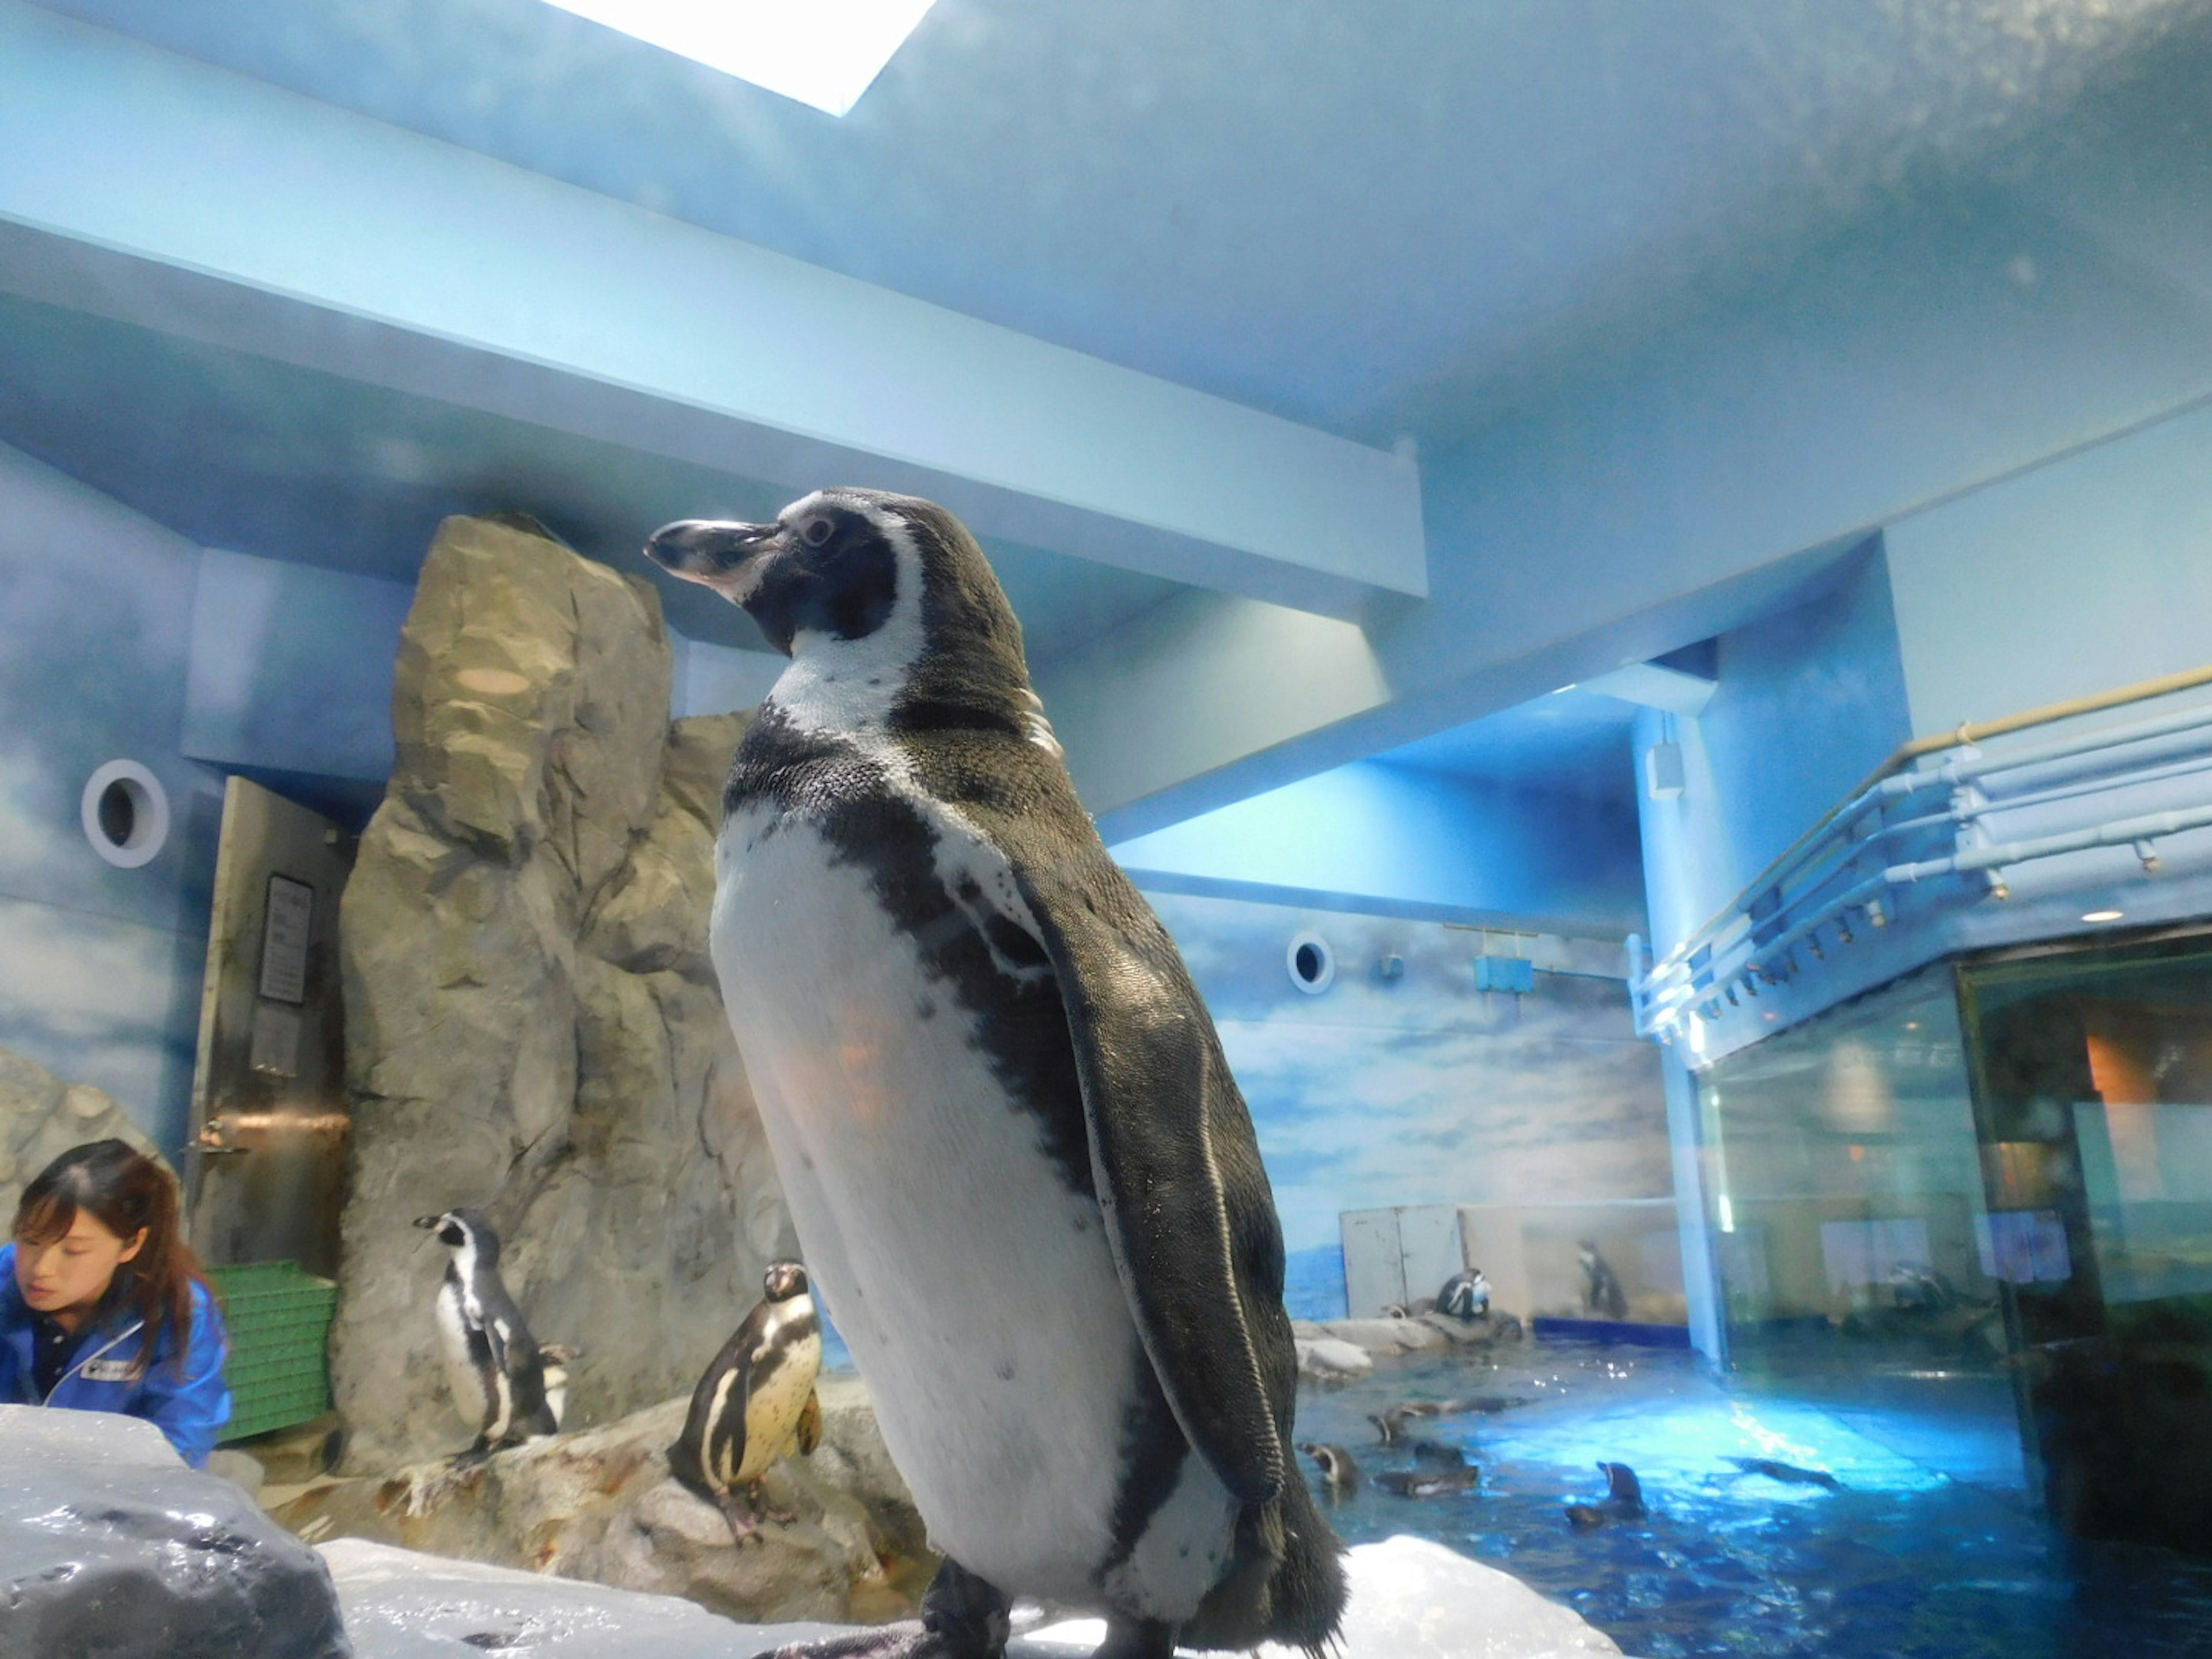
[[495, 1366], [1026, 1184], [756, 1402]]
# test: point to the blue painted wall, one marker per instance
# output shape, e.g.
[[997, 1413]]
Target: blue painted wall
[[1372, 835], [1810, 700], [2085, 574], [99, 968], [1420, 1090]]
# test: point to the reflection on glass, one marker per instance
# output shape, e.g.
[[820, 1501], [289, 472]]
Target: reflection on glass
[[1860, 1265], [2092, 1072], [1975, 1209]]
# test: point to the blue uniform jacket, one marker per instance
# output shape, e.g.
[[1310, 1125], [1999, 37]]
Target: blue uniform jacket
[[189, 1408]]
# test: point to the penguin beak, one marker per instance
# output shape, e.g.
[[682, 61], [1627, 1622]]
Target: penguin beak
[[428, 1221], [721, 555]]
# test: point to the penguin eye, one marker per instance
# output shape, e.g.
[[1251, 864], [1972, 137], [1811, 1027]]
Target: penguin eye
[[815, 532]]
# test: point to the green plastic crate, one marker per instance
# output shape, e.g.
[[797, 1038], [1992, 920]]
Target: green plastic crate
[[278, 1318]]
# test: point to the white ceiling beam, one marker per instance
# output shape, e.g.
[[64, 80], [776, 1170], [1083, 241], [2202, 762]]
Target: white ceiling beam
[[161, 190], [1653, 685]]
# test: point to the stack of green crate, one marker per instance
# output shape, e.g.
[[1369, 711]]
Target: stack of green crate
[[278, 1318]]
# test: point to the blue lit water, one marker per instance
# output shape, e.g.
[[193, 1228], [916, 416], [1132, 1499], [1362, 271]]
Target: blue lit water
[[1905, 1562]]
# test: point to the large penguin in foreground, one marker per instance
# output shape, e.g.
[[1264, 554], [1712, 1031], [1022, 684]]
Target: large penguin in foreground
[[1025, 1182]]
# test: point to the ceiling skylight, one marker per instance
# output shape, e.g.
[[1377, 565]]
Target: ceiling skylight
[[823, 52]]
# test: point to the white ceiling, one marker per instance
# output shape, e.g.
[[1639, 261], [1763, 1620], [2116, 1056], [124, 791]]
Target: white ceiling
[[1377, 220], [1392, 220]]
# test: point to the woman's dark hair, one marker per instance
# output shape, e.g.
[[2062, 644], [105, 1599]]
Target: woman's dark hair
[[124, 1190]]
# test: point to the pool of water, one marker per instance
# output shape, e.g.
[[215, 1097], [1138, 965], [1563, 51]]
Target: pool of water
[[1905, 1561]]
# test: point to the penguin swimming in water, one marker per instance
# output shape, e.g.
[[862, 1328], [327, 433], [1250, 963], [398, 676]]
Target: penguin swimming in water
[[1431, 1482], [1337, 1472], [756, 1403], [1623, 1500], [1025, 1182], [492, 1364]]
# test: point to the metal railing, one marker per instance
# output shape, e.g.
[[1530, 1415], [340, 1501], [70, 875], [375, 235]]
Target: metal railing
[[1843, 874]]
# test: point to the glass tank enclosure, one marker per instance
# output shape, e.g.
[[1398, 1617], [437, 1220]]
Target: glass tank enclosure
[[1974, 1211]]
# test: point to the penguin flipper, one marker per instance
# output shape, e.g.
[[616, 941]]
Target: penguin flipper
[[1188, 1213], [810, 1424]]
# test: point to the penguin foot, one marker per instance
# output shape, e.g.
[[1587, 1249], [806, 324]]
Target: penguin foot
[[963, 1617], [1137, 1639], [767, 1511], [743, 1528]]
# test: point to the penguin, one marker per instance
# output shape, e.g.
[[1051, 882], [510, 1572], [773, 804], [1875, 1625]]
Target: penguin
[[1623, 1500], [1436, 1454], [756, 1402], [1391, 1422], [1602, 1291], [554, 1361], [1430, 1483], [1465, 1295], [1788, 1474], [492, 1363], [1337, 1472], [1026, 1186]]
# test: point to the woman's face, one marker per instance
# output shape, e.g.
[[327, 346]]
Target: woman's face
[[69, 1275]]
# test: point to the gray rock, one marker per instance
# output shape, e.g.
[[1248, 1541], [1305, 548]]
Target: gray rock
[[402, 1605], [111, 1548], [600, 1505], [1329, 1359], [41, 1117], [533, 1027], [1411, 1599]]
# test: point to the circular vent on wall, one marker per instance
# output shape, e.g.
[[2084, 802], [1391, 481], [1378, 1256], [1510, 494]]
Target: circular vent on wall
[[125, 813], [1311, 962]]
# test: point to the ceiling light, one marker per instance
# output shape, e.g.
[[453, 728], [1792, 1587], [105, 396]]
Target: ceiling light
[[824, 52], [2102, 915]]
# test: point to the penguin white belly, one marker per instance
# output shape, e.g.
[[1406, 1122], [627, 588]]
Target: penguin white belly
[[471, 1398], [977, 1290], [771, 1408]]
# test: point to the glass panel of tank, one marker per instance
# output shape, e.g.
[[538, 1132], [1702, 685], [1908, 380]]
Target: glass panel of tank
[[1857, 1256], [2093, 1072]]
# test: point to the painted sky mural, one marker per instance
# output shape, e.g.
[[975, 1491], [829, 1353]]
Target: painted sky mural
[[99, 968], [1418, 1088]]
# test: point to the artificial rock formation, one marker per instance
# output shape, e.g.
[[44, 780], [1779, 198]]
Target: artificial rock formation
[[601, 1505], [1411, 1599], [110, 1545], [533, 1027], [41, 1117]]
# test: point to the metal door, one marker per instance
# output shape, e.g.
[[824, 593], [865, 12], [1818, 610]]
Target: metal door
[[1428, 1248], [265, 1170], [1374, 1269]]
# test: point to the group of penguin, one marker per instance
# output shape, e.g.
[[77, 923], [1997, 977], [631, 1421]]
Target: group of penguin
[[755, 1404], [1441, 1470]]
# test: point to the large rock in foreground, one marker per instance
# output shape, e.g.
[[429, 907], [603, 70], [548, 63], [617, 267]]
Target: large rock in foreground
[[111, 1548], [1410, 1600], [533, 1027], [601, 1505]]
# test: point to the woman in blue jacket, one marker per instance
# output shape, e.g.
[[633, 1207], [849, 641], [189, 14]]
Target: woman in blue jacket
[[102, 1305]]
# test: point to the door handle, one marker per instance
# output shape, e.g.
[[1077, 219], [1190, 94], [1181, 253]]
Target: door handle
[[212, 1144]]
